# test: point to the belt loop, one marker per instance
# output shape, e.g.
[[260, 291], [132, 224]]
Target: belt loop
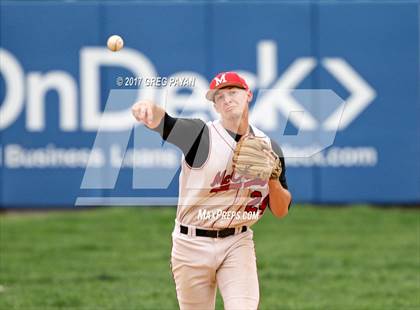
[[191, 231]]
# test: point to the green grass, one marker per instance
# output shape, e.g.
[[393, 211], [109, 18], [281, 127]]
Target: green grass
[[118, 258]]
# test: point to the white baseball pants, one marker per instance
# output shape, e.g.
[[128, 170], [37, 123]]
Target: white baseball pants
[[201, 264]]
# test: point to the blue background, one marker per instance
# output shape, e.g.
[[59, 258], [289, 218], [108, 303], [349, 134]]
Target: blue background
[[379, 39]]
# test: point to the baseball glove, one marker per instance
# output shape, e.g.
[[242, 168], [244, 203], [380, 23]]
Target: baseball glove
[[254, 158]]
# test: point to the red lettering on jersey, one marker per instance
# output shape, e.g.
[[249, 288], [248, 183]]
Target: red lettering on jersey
[[232, 181], [226, 187], [218, 178], [226, 179], [253, 207], [237, 178]]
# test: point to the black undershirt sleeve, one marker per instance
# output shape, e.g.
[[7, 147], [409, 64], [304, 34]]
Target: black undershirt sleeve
[[276, 148], [190, 135]]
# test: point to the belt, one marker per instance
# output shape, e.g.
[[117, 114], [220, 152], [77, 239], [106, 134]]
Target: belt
[[212, 233]]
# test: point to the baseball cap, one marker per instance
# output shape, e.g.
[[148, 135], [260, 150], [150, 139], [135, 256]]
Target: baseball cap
[[225, 79]]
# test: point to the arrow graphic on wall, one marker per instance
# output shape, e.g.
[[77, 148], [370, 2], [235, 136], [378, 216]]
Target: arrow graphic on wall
[[270, 102], [361, 93]]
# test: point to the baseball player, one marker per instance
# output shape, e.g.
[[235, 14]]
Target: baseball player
[[231, 172]]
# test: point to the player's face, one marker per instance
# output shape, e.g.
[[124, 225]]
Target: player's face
[[232, 102]]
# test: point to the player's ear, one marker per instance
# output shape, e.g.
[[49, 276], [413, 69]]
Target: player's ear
[[250, 95]]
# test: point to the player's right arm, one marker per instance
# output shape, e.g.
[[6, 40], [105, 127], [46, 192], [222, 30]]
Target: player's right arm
[[148, 113], [190, 135]]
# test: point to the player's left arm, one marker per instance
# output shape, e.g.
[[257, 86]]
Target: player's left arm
[[280, 198]]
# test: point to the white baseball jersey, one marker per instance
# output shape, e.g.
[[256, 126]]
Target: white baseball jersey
[[213, 196]]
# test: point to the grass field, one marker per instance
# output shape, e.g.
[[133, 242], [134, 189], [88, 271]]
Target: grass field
[[118, 258]]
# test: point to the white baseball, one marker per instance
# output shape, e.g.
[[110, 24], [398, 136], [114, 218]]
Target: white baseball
[[115, 43]]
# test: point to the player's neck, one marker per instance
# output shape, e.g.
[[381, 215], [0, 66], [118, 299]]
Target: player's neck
[[240, 127]]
